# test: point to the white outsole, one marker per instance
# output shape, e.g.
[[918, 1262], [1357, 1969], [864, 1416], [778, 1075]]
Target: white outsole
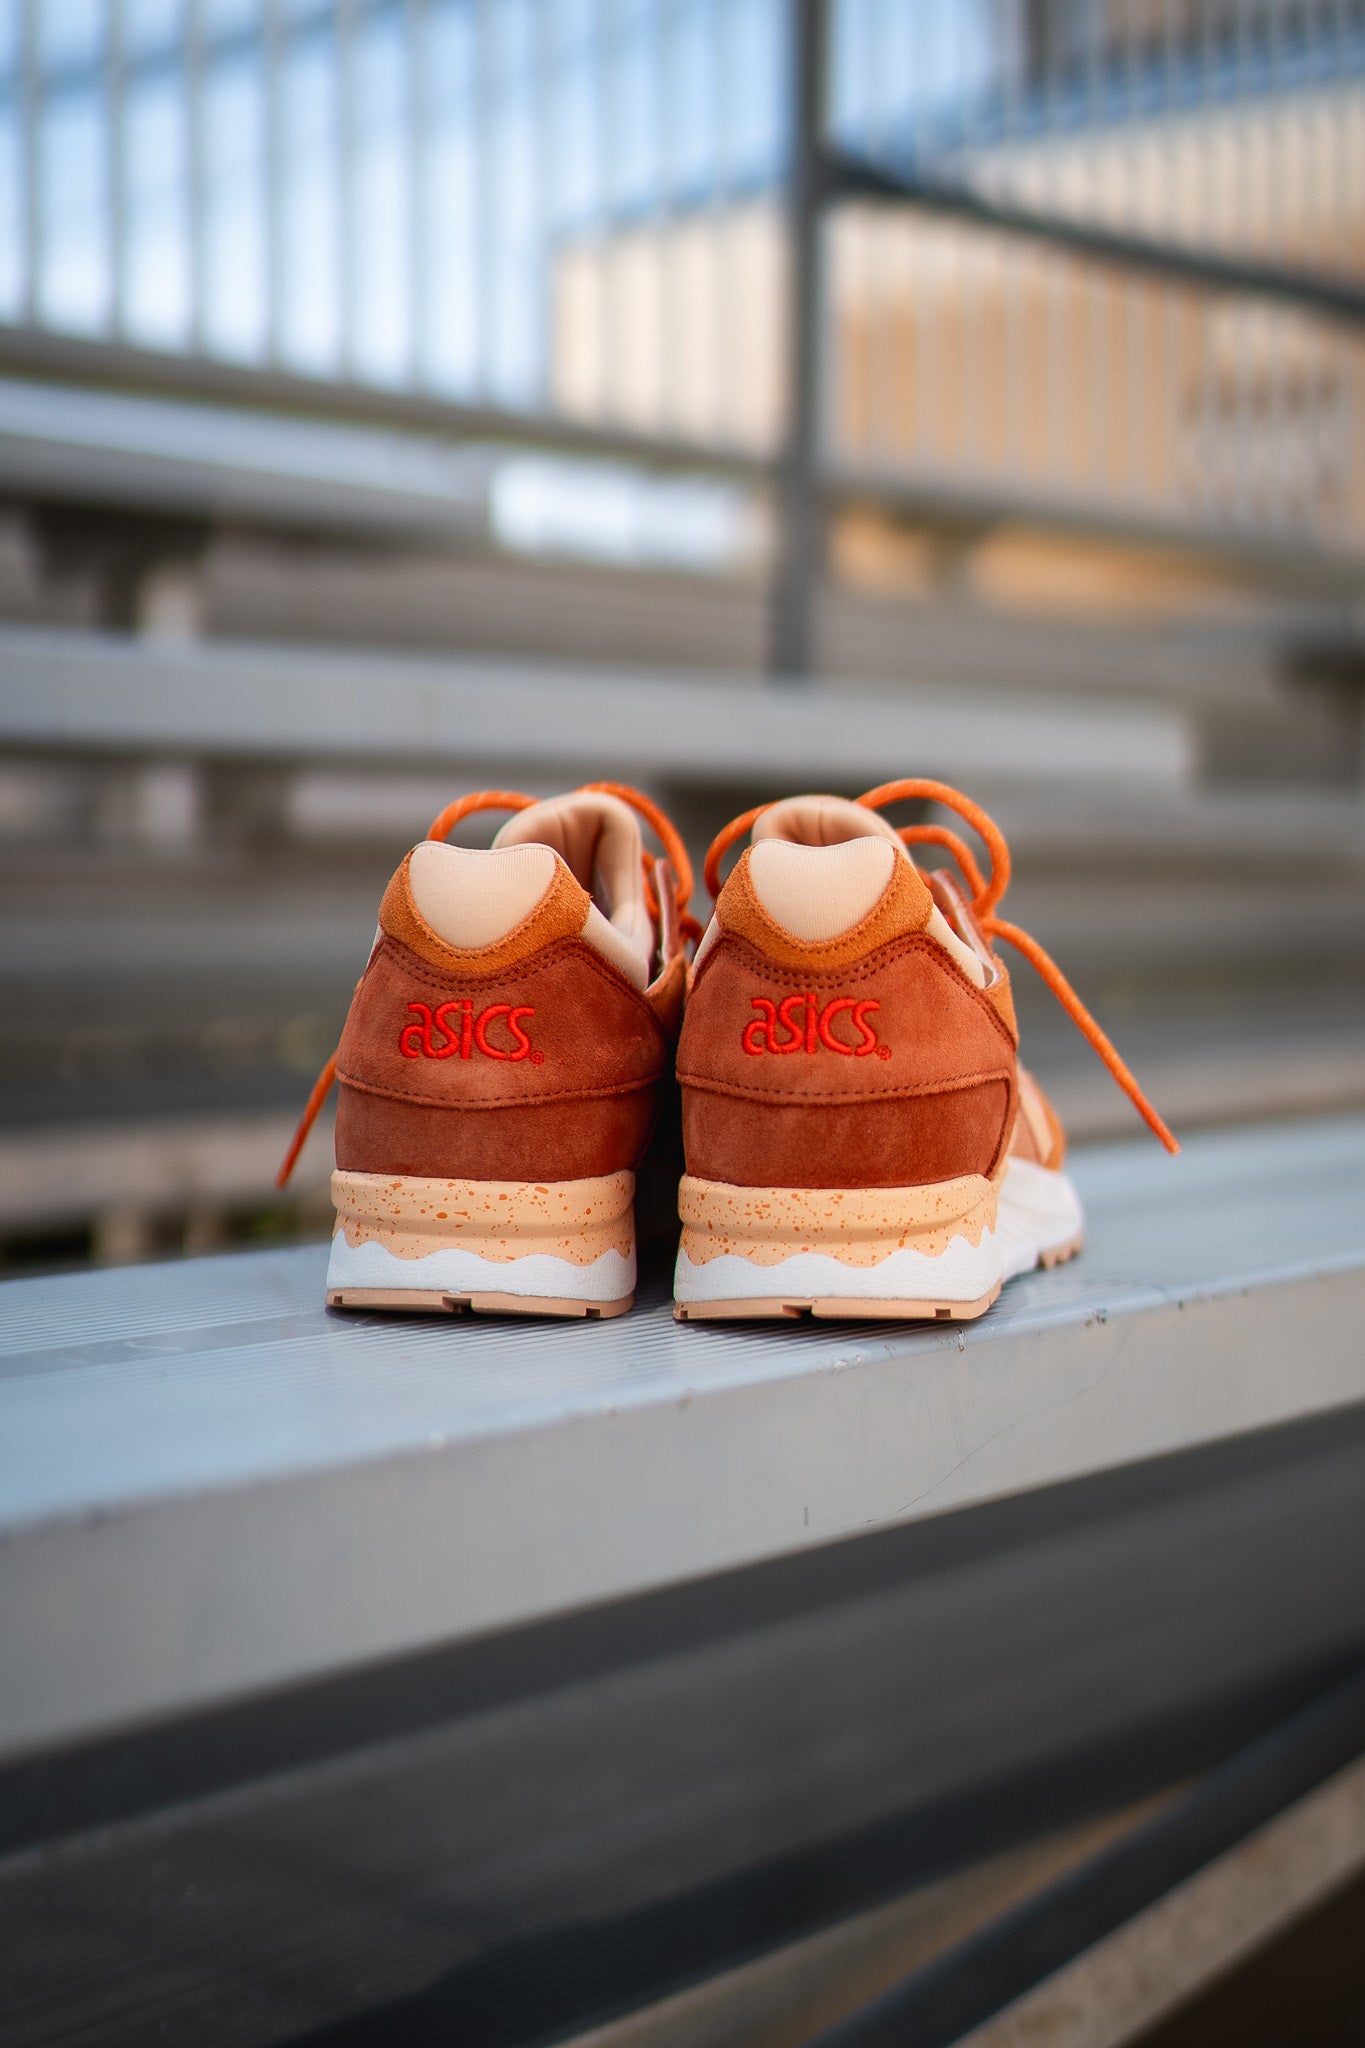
[[962, 1272], [1040, 1216], [455, 1271]]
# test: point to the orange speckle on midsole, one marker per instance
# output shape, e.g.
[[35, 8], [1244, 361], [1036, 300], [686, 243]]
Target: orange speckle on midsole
[[576, 1220], [857, 1226]]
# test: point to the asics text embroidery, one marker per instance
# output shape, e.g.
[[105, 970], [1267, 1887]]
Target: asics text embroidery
[[454, 1028], [799, 1023]]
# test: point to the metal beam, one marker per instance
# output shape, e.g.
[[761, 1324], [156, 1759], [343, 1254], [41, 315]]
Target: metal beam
[[1117, 1942], [801, 525], [844, 176], [936, 499], [111, 694]]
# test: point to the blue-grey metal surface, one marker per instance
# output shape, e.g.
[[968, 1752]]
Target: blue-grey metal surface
[[208, 1486], [103, 693], [218, 462]]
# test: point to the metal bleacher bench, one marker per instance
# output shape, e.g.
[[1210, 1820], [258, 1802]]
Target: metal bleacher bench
[[115, 694], [374, 1679]]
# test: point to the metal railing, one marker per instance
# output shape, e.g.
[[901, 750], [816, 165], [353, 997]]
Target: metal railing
[[1126, 265], [1097, 261]]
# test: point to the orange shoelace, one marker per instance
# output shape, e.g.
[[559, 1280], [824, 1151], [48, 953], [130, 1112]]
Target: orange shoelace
[[986, 893], [675, 867]]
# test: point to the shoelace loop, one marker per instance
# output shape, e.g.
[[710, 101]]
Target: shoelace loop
[[986, 893], [516, 800], [669, 837], [723, 841]]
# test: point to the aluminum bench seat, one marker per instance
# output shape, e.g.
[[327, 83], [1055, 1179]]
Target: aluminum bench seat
[[347, 1657]]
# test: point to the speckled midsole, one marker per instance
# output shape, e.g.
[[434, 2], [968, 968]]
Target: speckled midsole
[[856, 1226], [953, 1240], [515, 1237]]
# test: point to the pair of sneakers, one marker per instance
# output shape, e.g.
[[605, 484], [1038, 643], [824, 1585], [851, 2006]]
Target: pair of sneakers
[[859, 1137]]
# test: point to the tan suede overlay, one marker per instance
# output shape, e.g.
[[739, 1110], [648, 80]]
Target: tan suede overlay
[[558, 915], [904, 907], [1000, 995], [666, 995], [563, 1085], [891, 1071], [1038, 1133], [960, 914]]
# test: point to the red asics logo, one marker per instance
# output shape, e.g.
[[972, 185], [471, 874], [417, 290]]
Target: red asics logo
[[453, 1028], [811, 1026]]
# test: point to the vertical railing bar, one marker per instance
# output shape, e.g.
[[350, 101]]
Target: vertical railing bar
[[801, 546], [1061, 281], [1340, 184], [31, 124], [194, 120], [1176, 225], [347, 143], [116, 165], [603, 19], [928, 304], [1012, 455], [522, 109], [977, 251], [1344, 349], [901, 267], [1205, 226], [1242, 226], [878, 230], [1278, 508], [273, 156], [957, 245], [1313, 178], [542, 58], [1096, 286], [1295, 246], [667, 180], [1317, 209], [1139, 289], [899, 310], [661, 264], [418, 101], [1300, 246], [719, 265], [484, 182], [1316, 341]]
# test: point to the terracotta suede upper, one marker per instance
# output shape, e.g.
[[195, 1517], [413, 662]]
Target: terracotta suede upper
[[532, 1058], [867, 1061], [882, 1053]]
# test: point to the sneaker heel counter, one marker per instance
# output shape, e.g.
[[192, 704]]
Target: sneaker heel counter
[[887, 1071], [546, 1069]]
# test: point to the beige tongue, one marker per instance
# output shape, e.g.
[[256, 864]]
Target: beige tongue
[[820, 863], [598, 839]]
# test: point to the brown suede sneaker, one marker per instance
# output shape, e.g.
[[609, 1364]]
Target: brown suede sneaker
[[861, 1140], [501, 1064]]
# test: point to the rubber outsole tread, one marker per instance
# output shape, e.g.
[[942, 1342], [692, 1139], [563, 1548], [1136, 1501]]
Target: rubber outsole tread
[[431, 1301]]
